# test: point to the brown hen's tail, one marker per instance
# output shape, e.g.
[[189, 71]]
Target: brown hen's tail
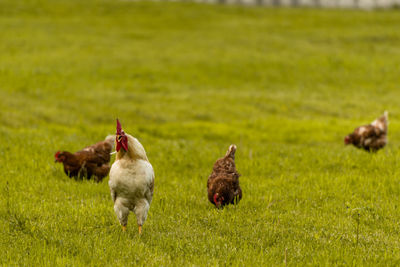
[[385, 120], [110, 139], [382, 122], [385, 117], [231, 151]]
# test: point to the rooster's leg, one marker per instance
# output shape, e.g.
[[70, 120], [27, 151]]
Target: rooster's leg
[[122, 213], [141, 210]]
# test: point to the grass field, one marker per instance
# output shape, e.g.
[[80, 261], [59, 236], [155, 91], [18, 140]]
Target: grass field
[[284, 85]]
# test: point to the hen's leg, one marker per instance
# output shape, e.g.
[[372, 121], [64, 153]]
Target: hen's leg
[[141, 210], [122, 213]]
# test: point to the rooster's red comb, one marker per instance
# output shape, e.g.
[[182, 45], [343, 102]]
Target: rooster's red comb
[[57, 154], [119, 128]]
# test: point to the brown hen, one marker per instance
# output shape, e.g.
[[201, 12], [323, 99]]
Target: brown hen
[[223, 183], [91, 161], [371, 137]]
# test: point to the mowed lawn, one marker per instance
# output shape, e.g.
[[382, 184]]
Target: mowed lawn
[[188, 80]]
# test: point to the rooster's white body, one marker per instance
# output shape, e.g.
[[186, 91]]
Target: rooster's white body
[[131, 183]]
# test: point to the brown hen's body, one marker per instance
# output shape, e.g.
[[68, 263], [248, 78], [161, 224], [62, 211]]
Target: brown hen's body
[[91, 161], [223, 183], [371, 137]]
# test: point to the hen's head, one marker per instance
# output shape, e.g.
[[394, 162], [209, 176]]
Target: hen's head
[[59, 157], [218, 200], [121, 138]]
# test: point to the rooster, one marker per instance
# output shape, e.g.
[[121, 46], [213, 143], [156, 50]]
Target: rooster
[[371, 137], [131, 179], [223, 183], [91, 161]]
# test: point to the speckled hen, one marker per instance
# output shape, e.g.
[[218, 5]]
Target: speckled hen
[[371, 137]]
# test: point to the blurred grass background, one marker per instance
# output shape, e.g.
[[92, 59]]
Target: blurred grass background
[[284, 85]]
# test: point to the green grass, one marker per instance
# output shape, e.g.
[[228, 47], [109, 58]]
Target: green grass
[[284, 85]]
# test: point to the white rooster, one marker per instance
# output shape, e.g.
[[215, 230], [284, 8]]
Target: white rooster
[[131, 179]]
